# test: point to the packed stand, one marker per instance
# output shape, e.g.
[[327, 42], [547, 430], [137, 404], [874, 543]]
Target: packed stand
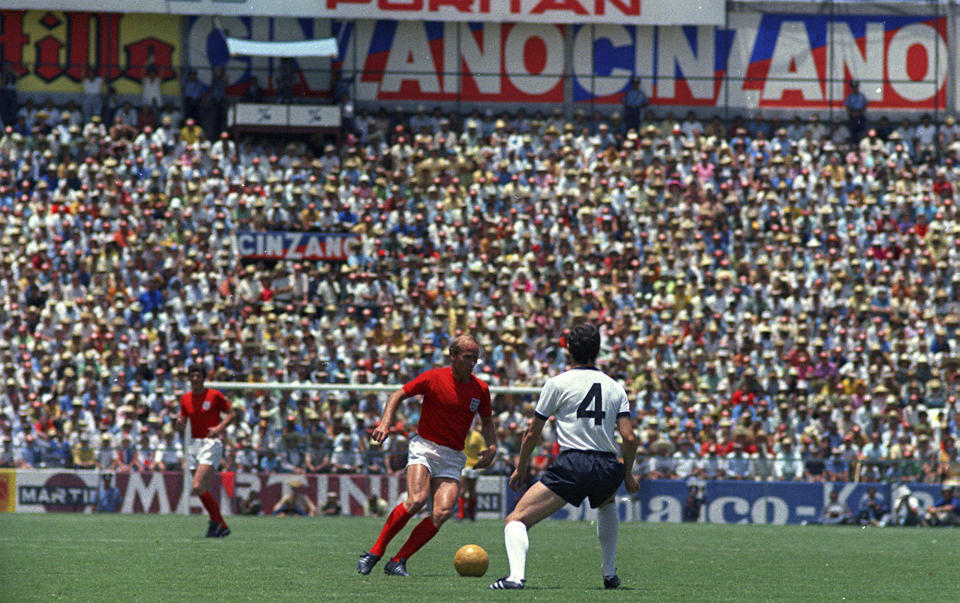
[[781, 303]]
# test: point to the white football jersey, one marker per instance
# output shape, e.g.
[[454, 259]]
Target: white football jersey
[[587, 404]]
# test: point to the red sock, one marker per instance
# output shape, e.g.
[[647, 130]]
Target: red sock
[[418, 537], [210, 504], [395, 522], [460, 508], [472, 508]]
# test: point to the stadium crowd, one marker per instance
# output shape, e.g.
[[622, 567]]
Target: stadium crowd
[[781, 302]]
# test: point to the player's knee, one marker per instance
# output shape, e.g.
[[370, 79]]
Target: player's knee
[[441, 515], [196, 491], [415, 504]]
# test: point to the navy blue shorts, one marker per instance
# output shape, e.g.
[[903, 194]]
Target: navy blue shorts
[[579, 474]]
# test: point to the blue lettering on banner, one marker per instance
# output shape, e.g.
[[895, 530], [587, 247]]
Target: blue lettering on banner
[[274, 245], [660, 501], [208, 50], [57, 495], [742, 502], [755, 60], [488, 501], [767, 60]]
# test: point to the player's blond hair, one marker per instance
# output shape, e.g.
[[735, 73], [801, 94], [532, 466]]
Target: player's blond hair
[[458, 341]]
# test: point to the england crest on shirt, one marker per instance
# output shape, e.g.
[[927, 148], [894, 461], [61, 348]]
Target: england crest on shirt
[[206, 405], [474, 404]]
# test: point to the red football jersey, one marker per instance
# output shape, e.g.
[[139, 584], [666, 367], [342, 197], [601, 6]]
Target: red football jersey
[[448, 406], [203, 411]]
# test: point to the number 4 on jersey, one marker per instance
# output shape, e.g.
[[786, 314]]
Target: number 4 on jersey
[[595, 398]]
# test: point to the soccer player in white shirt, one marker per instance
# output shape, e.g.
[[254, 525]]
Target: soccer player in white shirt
[[588, 406]]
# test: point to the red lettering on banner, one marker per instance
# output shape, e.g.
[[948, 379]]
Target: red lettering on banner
[[12, 40], [571, 6], [461, 5], [411, 5], [629, 8], [139, 52], [78, 47], [334, 3], [227, 479], [161, 492], [107, 33], [48, 58], [108, 36]]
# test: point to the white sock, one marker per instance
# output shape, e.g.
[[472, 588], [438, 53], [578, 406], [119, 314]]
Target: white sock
[[608, 523], [515, 537]]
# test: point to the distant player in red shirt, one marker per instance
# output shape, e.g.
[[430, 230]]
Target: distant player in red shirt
[[203, 406], [452, 396]]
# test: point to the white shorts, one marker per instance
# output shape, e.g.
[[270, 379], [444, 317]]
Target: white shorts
[[470, 473], [205, 451], [439, 460]]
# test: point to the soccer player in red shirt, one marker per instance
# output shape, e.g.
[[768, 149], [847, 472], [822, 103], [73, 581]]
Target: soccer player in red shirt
[[452, 396], [204, 406]]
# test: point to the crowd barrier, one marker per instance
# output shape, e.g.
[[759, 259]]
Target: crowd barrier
[[39, 491]]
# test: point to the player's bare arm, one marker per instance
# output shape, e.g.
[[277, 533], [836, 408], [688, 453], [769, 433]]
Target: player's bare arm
[[380, 431], [531, 437], [222, 425], [486, 456], [629, 448]]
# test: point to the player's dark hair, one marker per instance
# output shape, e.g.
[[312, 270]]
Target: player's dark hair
[[457, 341], [197, 367], [583, 343]]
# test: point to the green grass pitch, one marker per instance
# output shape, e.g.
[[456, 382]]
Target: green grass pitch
[[166, 558]]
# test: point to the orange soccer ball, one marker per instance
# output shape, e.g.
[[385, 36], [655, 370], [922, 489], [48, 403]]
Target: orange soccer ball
[[471, 560]]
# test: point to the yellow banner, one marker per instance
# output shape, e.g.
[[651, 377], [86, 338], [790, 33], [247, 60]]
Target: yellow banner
[[50, 50], [8, 490]]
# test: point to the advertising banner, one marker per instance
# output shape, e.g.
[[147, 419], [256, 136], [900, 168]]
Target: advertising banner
[[55, 491], [747, 61], [761, 503], [40, 491], [260, 114], [537, 11], [8, 490], [278, 245], [664, 501], [314, 116], [50, 490], [491, 497], [307, 48], [50, 50], [756, 61], [471, 62], [768, 61], [805, 61], [204, 36]]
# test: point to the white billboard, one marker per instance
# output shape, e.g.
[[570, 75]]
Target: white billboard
[[625, 12]]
